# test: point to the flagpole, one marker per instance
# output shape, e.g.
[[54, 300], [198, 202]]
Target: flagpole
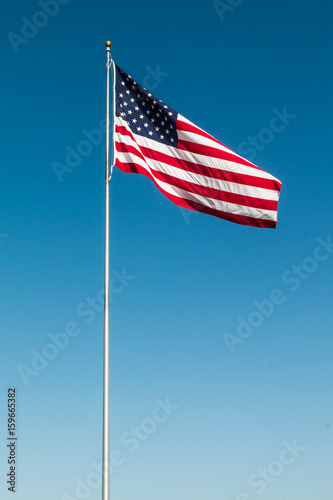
[[106, 368]]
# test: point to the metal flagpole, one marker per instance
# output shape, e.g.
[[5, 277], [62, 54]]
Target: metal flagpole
[[106, 369]]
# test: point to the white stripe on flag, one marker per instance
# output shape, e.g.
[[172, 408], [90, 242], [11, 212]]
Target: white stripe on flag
[[197, 159], [203, 200], [202, 180]]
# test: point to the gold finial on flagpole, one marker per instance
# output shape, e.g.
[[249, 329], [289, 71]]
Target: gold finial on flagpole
[[108, 44]]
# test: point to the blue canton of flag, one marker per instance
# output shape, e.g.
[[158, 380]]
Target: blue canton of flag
[[145, 114]]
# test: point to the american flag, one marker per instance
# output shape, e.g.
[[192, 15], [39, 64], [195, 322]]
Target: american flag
[[189, 166]]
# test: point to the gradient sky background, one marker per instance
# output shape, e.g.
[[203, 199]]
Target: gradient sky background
[[192, 275]]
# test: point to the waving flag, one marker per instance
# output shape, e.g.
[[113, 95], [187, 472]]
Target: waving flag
[[189, 166]]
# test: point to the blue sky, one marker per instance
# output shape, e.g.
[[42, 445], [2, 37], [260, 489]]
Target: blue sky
[[221, 345]]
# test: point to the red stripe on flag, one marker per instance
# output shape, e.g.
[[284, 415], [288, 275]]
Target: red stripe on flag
[[190, 127], [203, 149], [197, 207], [215, 173], [194, 188]]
